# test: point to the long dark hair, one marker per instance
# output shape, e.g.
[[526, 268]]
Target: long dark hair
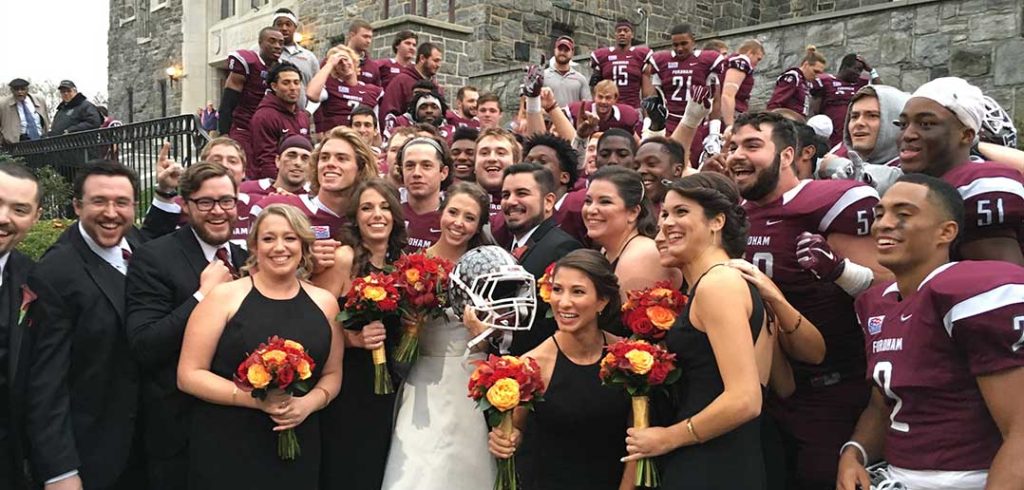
[[482, 199], [352, 237], [630, 187], [597, 268]]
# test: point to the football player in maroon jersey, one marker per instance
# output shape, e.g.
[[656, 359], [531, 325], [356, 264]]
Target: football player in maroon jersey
[[737, 74], [399, 93], [628, 66], [561, 159], [679, 69], [615, 147], [610, 113], [277, 117], [338, 89], [364, 121], [495, 150], [831, 95], [945, 352], [488, 111], [360, 38], [800, 235], [793, 87], [404, 47], [939, 125], [659, 159], [293, 155], [463, 151], [245, 86], [465, 108], [425, 169]]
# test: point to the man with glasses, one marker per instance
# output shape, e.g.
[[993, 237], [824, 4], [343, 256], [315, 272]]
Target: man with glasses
[[168, 277], [22, 116], [82, 383]]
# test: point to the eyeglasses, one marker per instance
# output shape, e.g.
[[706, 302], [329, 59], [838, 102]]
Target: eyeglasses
[[206, 203]]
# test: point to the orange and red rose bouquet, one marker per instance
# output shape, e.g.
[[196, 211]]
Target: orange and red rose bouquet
[[639, 367], [373, 298], [499, 385], [277, 364], [650, 312], [544, 287], [421, 280]]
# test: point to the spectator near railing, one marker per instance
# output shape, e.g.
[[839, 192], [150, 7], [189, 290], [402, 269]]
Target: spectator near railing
[[135, 145]]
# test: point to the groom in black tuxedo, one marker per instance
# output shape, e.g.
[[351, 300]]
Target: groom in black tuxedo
[[527, 202], [82, 389], [19, 210], [168, 277]]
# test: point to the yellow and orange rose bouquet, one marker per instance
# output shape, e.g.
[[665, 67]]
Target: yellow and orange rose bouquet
[[639, 366], [650, 312], [499, 385], [373, 298], [421, 280], [277, 364]]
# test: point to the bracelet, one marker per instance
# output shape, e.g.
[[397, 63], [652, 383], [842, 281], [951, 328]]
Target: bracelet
[[692, 431], [234, 395], [799, 321], [327, 396], [859, 447]]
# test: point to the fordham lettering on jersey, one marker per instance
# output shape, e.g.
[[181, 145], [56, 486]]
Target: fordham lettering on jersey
[[625, 68], [825, 207], [423, 230], [925, 351], [678, 74]]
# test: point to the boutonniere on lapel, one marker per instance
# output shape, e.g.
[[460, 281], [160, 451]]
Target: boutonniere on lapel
[[519, 251], [27, 297]]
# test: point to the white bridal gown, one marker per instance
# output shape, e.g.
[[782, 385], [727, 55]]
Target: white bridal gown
[[440, 438]]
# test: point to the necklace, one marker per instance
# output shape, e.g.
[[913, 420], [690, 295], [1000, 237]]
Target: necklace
[[622, 247]]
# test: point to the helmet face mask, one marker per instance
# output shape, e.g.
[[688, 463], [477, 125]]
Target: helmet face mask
[[502, 294], [997, 126]]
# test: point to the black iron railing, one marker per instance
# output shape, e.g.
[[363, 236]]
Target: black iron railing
[[135, 145]]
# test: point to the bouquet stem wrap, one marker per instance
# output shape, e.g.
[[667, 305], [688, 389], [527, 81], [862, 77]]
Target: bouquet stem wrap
[[506, 479], [381, 378], [288, 445], [646, 472], [409, 346]]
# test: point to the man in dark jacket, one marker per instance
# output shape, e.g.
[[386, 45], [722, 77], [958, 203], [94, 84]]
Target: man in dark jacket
[[75, 113], [276, 117]]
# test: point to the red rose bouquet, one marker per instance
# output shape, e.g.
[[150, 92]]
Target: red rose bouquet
[[421, 280], [650, 312], [544, 287], [499, 385], [373, 298], [639, 366], [277, 364]]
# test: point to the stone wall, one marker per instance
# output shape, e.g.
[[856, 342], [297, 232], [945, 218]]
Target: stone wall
[[140, 50]]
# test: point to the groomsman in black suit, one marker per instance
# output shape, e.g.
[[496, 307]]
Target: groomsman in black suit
[[527, 203], [167, 278], [19, 210], [83, 384]]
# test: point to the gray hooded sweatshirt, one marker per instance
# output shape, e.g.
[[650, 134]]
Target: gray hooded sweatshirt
[[890, 102]]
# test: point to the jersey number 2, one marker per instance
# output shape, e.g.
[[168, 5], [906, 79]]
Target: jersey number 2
[[883, 377]]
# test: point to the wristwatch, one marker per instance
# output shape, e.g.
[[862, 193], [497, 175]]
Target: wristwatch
[[165, 195]]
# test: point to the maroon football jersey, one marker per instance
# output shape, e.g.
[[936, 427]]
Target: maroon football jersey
[[678, 74], [387, 69], [625, 68], [793, 92], [369, 72], [342, 99], [261, 188], [251, 65], [325, 223], [621, 116], [568, 214], [823, 207], [835, 97], [424, 229], [993, 199], [392, 122], [742, 63], [459, 121], [925, 351]]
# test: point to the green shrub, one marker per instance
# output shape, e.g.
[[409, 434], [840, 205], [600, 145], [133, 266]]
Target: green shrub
[[42, 235]]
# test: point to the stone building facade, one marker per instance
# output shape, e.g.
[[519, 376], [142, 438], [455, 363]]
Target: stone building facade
[[487, 42]]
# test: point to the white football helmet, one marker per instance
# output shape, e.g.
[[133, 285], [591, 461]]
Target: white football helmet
[[502, 294], [881, 479], [996, 126]]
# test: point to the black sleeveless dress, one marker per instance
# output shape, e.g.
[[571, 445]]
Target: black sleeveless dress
[[575, 437], [730, 461], [357, 425], [235, 447]]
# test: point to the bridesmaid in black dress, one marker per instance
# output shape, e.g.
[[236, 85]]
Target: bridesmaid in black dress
[[234, 436], [357, 427], [573, 438], [713, 440]]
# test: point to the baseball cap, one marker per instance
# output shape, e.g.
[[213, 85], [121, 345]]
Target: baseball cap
[[18, 83], [565, 41], [66, 84]]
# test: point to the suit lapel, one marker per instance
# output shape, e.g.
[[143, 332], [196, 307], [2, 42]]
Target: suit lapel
[[106, 277], [536, 237], [191, 249], [238, 256]]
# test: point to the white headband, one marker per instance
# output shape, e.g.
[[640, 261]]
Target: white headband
[[427, 99], [963, 99], [286, 15]]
